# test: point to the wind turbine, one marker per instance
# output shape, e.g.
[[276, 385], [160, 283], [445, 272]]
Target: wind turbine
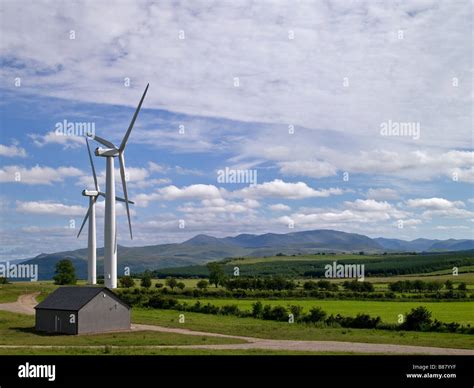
[[91, 241], [110, 229]]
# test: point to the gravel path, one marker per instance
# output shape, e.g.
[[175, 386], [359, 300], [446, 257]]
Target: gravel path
[[308, 346], [26, 303]]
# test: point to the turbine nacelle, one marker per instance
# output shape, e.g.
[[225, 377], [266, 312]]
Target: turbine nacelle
[[90, 193], [106, 152]]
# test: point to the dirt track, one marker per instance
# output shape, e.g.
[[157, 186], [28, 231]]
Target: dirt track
[[25, 305]]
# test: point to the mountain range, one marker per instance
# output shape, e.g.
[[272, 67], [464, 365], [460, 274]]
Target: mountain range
[[202, 248]]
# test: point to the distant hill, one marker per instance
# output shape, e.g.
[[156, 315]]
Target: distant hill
[[424, 245], [202, 249]]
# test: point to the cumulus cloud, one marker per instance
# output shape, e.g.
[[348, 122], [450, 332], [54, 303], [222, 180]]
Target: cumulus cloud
[[382, 193], [312, 169], [198, 191], [56, 138], [220, 205], [51, 208], [280, 189], [171, 193], [434, 203], [358, 211], [37, 175], [440, 207], [12, 151], [279, 207], [164, 169]]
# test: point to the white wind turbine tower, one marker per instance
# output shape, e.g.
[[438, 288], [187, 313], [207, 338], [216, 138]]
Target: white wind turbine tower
[[110, 229], [91, 241]]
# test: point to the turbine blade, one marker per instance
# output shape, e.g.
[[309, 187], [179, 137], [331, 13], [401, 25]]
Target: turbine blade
[[124, 185], [85, 219], [119, 199], [92, 165], [127, 134], [103, 141]]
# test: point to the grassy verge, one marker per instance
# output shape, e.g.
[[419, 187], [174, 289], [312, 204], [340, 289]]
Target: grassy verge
[[124, 351]]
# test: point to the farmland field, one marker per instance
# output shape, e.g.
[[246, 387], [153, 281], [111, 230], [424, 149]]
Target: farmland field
[[312, 265]]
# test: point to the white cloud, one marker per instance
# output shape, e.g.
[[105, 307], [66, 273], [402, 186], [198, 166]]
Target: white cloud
[[308, 168], [411, 222], [291, 81], [279, 207], [359, 211], [369, 205], [220, 205], [382, 193], [452, 227], [12, 151], [171, 193], [434, 203], [440, 207], [276, 188], [199, 191], [448, 213], [164, 169], [155, 167], [150, 183], [51, 208], [55, 138], [37, 175], [280, 189]]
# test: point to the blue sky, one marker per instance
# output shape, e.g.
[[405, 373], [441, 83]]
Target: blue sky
[[297, 92]]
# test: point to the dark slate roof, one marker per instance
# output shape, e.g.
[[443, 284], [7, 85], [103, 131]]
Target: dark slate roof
[[73, 298]]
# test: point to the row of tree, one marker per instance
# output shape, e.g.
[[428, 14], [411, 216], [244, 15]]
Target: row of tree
[[269, 283], [420, 285]]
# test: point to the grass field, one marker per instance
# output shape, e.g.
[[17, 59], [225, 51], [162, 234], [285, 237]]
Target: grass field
[[281, 330], [17, 329], [461, 312]]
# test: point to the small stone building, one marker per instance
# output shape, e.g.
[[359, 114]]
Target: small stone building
[[81, 310]]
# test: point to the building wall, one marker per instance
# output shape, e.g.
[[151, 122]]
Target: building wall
[[56, 321], [103, 314]]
